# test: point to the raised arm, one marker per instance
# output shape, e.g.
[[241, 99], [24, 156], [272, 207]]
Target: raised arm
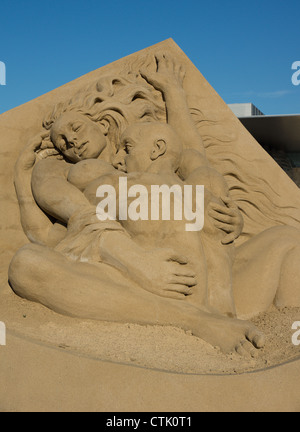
[[52, 191], [168, 79], [36, 225]]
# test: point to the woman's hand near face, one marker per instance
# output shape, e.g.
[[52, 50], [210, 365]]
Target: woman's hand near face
[[36, 225], [37, 149]]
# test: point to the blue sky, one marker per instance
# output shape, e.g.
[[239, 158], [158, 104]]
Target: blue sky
[[245, 49]]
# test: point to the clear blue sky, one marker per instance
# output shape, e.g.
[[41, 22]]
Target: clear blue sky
[[245, 49]]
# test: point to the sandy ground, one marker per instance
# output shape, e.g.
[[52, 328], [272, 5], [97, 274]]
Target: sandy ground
[[155, 347]]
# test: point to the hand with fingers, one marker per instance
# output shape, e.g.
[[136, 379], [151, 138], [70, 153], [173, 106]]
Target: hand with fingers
[[39, 147], [165, 273], [227, 218], [168, 74]]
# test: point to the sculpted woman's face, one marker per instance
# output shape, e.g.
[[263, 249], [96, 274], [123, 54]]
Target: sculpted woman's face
[[77, 137]]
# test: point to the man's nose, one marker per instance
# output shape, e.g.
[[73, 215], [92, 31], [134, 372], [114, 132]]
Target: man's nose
[[119, 161]]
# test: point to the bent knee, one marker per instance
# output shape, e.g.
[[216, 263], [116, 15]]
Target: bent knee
[[290, 231], [22, 268], [284, 235]]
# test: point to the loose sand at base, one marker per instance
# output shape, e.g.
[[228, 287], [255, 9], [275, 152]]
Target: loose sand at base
[[154, 347]]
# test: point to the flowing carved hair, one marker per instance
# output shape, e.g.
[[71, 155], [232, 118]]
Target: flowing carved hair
[[256, 196], [117, 99]]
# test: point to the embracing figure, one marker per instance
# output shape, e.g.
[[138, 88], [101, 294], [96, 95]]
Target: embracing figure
[[139, 272]]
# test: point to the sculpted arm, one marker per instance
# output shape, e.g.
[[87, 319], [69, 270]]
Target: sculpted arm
[[36, 225], [52, 191], [169, 80]]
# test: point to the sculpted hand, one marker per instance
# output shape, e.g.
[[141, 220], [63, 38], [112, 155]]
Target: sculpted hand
[[165, 273], [227, 218], [38, 148], [169, 74]]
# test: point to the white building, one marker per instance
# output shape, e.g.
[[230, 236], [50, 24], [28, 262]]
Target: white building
[[279, 135], [245, 110]]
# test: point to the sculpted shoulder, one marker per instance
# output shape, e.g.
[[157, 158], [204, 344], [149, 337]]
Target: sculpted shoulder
[[49, 168], [84, 172], [190, 161]]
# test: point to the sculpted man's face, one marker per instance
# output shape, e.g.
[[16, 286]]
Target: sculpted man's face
[[77, 137], [139, 148]]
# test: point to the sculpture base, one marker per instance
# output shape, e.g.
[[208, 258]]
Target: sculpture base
[[56, 363], [37, 377]]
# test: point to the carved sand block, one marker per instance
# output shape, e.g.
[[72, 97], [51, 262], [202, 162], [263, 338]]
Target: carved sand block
[[145, 300]]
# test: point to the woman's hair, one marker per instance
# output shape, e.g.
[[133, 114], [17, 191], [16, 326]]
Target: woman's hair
[[256, 196], [120, 100]]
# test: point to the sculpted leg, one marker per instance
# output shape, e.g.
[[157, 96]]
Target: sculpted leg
[[288, 293], [90, 291], [102, 293], [266, 271]]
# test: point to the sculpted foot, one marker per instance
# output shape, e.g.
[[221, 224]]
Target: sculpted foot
[[232, 335]]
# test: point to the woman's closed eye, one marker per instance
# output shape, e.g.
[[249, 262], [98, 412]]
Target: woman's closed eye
[[76, 127], [128, 148]]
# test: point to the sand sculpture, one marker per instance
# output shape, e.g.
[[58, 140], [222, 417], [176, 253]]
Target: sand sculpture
[[151, 119]]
